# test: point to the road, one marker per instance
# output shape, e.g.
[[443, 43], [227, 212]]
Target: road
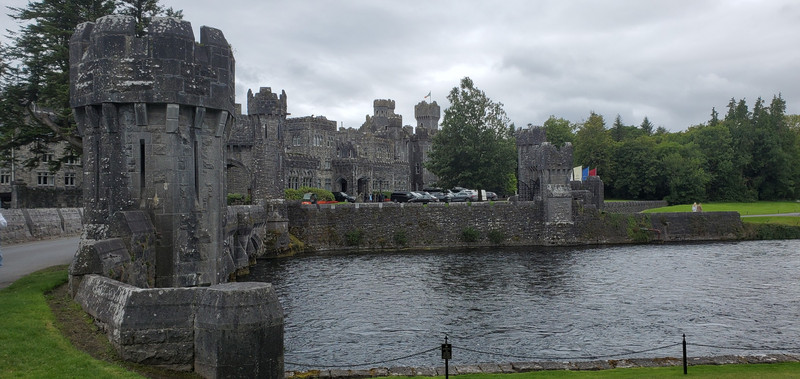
[[22, 259]]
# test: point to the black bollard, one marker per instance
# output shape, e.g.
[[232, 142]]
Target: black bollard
[[685, 371], [447, 354]]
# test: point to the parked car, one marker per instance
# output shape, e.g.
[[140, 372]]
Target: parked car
[[341, 196], [445, 195], [491, 195], [464, 195], [422, 197], [401, 196]]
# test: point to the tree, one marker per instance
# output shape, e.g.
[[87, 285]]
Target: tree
[[637, 170], [34, 97], [144, 11], [559, 131], [476, 147], [593, 145], [36, 108], [646, 126]]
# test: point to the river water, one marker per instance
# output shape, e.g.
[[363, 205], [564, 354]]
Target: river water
[[540, 303]]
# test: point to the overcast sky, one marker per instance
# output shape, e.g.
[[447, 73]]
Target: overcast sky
[[671, 61]]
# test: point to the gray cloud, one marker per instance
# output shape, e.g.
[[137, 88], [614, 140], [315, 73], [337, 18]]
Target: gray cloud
[[671, 61]]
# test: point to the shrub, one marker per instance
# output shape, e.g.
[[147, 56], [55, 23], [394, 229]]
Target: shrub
[[238, 199], [400, 238], [496, 236], [297, 194], [354, 237], [470, 234]]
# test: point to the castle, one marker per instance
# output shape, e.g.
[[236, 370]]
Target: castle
[[269, 151]]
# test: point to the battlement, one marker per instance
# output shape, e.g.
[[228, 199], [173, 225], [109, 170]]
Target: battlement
[[266, 102], [110, 64], [534, 135], [426, 109], [384, 105]]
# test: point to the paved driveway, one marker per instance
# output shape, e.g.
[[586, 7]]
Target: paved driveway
[[24, 258]]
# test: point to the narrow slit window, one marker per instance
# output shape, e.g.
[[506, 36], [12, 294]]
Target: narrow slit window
[[196, 173], [141, 166]]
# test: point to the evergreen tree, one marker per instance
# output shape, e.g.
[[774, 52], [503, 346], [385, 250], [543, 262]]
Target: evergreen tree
[[646, 126], [35, 103], [34, 92], [476, 147], [144, 11]]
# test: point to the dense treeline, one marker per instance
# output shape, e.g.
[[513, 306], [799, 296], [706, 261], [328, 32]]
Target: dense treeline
[[748, 155]]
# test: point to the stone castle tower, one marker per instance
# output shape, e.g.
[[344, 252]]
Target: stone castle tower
[[154, 113], [268, 111], [544, 172], [427, 115]]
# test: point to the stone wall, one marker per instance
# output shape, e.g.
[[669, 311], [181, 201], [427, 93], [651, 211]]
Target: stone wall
[[41, 223], [225, 330], [633, 206], [392, 226]]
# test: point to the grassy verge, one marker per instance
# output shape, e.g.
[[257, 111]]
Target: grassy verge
[[30, 343], [33, 344], [780, 220], [755, 208]]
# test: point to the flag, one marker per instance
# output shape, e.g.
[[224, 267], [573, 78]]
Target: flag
[[593, 172], [576, 173], [428, 95], [585, 173]]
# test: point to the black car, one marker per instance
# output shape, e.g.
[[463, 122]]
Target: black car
[[341, 196], [402, 196]]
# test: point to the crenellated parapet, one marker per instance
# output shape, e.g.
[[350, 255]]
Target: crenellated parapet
[[265, 102], [110, 64], [427, 115]]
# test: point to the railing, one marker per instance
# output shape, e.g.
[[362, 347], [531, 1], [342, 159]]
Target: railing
[[537, 360]]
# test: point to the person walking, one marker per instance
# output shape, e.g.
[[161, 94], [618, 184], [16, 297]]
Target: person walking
[[3, 224]]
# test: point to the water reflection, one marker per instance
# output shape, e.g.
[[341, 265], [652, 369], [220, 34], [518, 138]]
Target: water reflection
[[539, 302]]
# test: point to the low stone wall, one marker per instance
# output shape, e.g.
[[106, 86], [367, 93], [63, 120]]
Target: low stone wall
[[219, 331], [393, 226], [632, 206], [41, 223], [520, 367]]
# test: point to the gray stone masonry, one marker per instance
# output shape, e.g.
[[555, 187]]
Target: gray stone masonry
[[232, 330], [520, 367], [155, 114], [438, 225]]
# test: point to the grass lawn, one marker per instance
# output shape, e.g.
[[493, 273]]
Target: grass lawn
[[33, 346], [755, 208]]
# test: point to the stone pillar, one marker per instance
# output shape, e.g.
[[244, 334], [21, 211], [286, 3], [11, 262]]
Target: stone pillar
[[239, 332]]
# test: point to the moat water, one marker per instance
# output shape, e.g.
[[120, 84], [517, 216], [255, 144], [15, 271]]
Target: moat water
[[537, 304]]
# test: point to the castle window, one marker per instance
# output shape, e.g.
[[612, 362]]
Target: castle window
[[47, 157], [69, 179], [45, 178], [297, 140], [417, 168], [72, 161], [5, 177], [328, 185]]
